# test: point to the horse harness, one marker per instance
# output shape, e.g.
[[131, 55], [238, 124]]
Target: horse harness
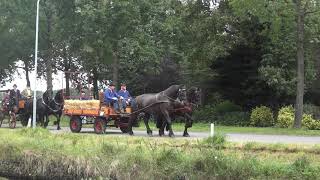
[[48, 106]]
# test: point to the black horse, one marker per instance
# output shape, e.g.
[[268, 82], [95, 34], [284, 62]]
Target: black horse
[[160, 104], [183, 109], [47, 106]]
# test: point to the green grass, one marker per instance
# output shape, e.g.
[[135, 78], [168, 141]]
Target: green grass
[[39, 153]]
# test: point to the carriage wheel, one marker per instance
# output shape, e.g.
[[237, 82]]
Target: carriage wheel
[[99, 125], [75, 124], [12, 121]]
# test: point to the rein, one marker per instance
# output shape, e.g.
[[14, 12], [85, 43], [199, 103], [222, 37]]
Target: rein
[[50, 107]]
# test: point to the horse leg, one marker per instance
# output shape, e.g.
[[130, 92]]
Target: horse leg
[[167, 117], [133, 117], [160, 124], [46, 123], [58, 121], [146, 122], [188, 123]]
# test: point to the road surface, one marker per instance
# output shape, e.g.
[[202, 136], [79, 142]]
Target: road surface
[[233, 137]]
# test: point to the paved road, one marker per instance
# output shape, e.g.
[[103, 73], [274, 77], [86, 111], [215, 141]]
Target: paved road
[[233, 137]]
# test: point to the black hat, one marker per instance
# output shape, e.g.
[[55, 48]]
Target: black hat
[[123, 84], [15, 85], [111, 84]]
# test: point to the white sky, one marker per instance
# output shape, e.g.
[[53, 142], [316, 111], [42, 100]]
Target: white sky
[[20, 80]]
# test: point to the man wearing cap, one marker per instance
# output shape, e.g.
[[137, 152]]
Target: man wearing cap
[[128, 100], [15, 94], [111, 97]]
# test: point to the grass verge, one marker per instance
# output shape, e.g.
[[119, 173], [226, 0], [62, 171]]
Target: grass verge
[[40, 154]]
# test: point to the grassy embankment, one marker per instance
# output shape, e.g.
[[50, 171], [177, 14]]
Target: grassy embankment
[[42, 154]]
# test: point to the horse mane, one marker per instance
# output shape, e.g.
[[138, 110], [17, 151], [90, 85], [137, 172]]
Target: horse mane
[[172, 91]]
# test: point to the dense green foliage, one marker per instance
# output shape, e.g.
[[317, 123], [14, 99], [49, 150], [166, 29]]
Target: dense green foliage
[[242, 51], [261, 117], [223, 113]]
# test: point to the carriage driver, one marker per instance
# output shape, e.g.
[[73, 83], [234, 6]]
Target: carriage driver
[[128, 100], [15, 94], [110, 96]]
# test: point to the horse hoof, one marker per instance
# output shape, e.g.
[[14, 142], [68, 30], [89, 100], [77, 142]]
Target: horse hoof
[[59, 128], [150, 134], [186, 135], [130, 133], [171, 135]]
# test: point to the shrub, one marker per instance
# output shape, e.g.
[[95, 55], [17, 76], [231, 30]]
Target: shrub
[[234, 119], [261, 117], [205, 114], [310, 123], [312, 110], [226, 107], [285, 117], [224, 113]]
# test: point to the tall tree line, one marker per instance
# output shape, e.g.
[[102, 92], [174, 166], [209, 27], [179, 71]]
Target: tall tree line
[[253, 52]]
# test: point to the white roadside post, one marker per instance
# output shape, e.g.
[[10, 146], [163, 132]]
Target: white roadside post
[[35, 67], [212, 130]]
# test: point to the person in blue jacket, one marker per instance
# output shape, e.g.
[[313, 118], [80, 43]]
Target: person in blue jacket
[[110, 96], [127, 98]]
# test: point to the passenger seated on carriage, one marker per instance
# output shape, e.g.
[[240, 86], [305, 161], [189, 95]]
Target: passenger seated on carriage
[[111, 97], [27, 93], [15, 95], [83, 96], [127, 98]]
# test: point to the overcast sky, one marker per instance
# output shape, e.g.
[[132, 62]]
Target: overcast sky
[[19, 79]]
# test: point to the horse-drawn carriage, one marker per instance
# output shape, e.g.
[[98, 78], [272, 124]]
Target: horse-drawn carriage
[[14, 112], [97, 113]]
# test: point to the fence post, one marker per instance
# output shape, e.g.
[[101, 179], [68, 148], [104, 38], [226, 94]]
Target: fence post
[[212, 130]]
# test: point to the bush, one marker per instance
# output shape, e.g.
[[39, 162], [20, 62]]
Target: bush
[[226, 107], [224, 113], [234, 119], [261, 117], [285, 117], [312, 110], [310, 123]]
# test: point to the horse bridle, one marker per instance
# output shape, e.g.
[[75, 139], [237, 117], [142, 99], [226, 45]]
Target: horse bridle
[[175, 100]]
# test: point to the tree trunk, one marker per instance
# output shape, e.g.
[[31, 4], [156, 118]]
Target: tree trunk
[[66, 62], [95, 84], [49, 57], [115, 66], [300, 66], [26, 69]]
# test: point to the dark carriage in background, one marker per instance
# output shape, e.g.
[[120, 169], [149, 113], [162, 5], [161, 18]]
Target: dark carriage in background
[[14, 113]]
